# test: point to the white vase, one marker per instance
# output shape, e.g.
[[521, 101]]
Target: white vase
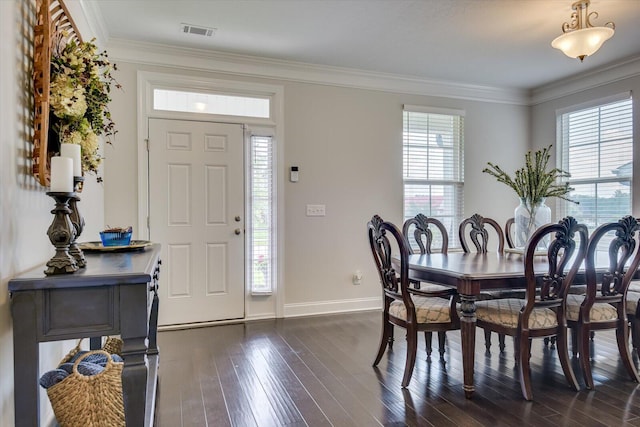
[[528, 218]]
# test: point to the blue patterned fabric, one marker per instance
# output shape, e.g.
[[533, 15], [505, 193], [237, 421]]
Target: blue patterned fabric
[[90, 365], [53, 377]]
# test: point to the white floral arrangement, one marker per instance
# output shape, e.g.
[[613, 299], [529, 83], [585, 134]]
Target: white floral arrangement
[[79, 96]]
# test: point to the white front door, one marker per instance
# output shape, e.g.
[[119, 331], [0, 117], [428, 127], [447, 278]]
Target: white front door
[[196, 211]]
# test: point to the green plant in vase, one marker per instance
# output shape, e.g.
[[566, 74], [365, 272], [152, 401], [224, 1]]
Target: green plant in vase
[[533, 184]]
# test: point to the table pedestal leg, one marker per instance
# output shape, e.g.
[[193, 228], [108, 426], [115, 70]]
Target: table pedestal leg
[[468, 335]]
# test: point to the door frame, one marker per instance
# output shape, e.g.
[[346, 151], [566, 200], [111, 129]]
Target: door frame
[[146, 83]]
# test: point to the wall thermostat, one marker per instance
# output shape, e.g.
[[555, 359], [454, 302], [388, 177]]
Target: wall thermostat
[[294, 174]]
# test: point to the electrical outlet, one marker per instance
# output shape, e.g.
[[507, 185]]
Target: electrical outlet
[[357, 277], [316, 210]]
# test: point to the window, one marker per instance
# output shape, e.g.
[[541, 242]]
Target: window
[[433, 169], [211, 103], [261, 233], [595, 146]]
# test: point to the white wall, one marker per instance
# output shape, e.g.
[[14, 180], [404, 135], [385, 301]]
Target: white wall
[[25, 208], [347, 143]]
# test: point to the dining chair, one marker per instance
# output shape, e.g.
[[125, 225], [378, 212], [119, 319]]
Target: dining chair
[[415, 310], [418, 234], [541, 313], [633, 313], [604, 304], [474, 229], [509, 232]]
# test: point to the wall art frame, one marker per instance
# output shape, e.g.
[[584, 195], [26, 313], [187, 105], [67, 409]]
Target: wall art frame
[[53, 25]]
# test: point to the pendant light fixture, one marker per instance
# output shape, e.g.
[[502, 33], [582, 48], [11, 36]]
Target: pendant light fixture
[[580, 37]]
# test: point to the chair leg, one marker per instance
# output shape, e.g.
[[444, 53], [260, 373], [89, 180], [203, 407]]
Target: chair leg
[[565, 362], [412, 347], [523, 366], [501, 344], [622, 336], [635, 334], [487, 340], [390, 335], [387, 334], [427, 340], [442, 338], [585, 355], [574, 341]]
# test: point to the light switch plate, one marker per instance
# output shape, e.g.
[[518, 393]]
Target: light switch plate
[[316, 210]]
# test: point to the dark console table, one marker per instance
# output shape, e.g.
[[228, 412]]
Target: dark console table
[[116, 294]]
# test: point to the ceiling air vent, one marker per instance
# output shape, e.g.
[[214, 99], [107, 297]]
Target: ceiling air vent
[[197, 30]]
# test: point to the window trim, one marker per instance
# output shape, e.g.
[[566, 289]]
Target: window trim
[[562, 205], [457, 184]]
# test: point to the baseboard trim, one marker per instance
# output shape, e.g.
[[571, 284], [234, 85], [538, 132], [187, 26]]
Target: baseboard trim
[[293, 310], [332, 307]]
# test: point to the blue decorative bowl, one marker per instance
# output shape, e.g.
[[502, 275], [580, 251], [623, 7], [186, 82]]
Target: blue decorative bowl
[[114, 238]]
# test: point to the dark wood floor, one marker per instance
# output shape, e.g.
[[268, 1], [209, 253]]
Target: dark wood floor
[[317, 371]]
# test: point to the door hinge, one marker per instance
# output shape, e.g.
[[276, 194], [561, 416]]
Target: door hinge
[[147, 143], [148, 223]]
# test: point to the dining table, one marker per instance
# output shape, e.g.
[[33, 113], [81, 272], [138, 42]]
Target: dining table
[[471, 273]]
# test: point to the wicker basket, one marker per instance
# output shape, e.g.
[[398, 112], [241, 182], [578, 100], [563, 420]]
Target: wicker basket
[[113, 345], [89, 401]]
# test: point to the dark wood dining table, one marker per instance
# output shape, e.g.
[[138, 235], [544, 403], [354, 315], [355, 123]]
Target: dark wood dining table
[[470, 273]]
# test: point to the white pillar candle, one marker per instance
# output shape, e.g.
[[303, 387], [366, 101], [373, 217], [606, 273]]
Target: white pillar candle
[[61, 175], [72, 151]]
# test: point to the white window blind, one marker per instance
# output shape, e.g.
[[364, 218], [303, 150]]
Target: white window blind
[[261, 234], [596, 148], [433, 169]]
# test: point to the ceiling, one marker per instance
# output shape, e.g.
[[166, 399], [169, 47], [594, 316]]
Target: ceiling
[[496, 43]]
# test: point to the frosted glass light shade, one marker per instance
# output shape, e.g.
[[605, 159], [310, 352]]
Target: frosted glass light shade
[[583, 42]]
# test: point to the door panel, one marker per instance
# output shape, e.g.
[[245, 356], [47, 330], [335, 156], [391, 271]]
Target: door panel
[[196, 191]]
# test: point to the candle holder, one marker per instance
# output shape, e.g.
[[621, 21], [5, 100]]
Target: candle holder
[[61, 232], [78, 223]]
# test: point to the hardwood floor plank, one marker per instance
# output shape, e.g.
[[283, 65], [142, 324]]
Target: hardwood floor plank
[[169, 403], [316, 371], [330, 406], [289, 397], [239, 405], [214, 405], [351, 403]]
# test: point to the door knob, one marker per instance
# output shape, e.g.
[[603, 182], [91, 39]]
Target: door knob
[[238, 218], [237, 231]]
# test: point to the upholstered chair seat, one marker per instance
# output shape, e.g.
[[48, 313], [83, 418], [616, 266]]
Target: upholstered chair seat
[[600, 311], [428, 310], [505, 312], [632, 302]]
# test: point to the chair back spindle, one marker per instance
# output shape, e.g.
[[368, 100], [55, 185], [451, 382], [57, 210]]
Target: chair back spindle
[[478, 233], [423, 235]]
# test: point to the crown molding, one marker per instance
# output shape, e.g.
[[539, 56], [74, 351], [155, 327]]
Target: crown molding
[[89, 20], [610, 73], [206, 60]]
